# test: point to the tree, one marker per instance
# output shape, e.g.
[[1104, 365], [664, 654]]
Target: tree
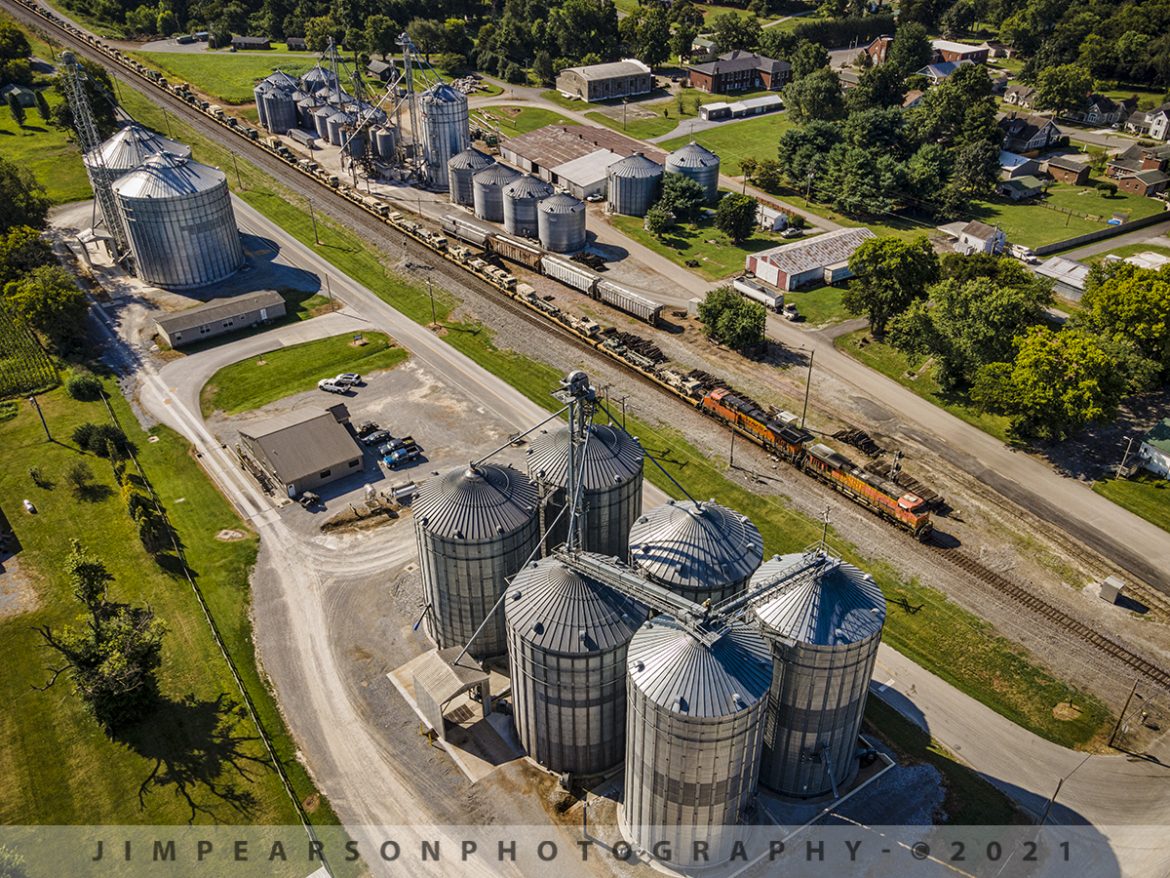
[[1063, 88], [732, 31], [13, 42], [767, 175], [817, 96], [1058, 382], [658, 220], [22, 249], [99, 89], [319, 30], [652, 41], [542, 67], [381, 35], [88, 577], [736, 216], [730, 319], [804, 152], [861, 181], [79, 475], [24, 199], [48, 300], [879, 87], [16, 109], [910, 49], [166, 22], [1124, 302], [43, 107], [682, 197], [11, 864], [889, 274], [807, 58]]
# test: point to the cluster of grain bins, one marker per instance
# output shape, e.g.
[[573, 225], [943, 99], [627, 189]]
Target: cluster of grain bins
[[445, 131], [661, 640]]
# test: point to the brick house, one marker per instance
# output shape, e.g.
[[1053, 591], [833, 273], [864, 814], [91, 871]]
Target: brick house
[[949, 50], [1067, 170], [739, 71]]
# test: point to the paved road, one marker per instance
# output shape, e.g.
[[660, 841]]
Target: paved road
[[1128, 801], [1105, 138], [1141, 236]]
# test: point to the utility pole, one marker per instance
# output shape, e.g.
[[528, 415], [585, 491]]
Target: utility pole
[[1121, 716], [313, 217], [48, 435], [1125, 456], [167, 119], [236, 165], [431, 293], [807, 387], [731, 453]]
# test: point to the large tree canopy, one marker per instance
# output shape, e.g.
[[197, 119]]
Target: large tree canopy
[[889, 274]]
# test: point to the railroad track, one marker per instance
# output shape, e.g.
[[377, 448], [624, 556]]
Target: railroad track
[[350, 213], [1061, 619]]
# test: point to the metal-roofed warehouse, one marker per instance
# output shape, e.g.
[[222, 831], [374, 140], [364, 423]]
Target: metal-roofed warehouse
[[602, 82], [824, 257], [220, 317], [304, 450], [573, 156]]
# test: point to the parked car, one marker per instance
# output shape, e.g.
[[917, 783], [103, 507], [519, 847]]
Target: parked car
[[403, 455], [790, 313], [308, 500], [331, 386], [348, 379], [377, 438], [792, 232], [367, 428], [595, 197]]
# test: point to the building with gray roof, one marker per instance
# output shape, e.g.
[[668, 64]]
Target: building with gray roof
[[603, 82], [220, 317], [795, 265], [302, 450]]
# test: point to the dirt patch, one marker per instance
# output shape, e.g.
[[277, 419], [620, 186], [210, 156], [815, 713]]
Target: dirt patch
[[17, 594], [228, 535], [312, 803], [1066, 711], [360, 517]]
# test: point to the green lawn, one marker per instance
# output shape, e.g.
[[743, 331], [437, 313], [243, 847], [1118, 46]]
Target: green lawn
[[1083, 210], [820, 306], [512, 121], [57, 765], [647, 119], [48, 152], [1131, 250], [1145, 495], [718, 257], [757, 138], [941, 636], [227, 77], [910, 374], [252, 383]]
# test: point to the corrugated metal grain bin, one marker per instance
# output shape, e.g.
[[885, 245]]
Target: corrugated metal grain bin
[[560, 221], [487, 191], [521, 197], [634, 184], [460, 169], [698, 163], [443, 112]]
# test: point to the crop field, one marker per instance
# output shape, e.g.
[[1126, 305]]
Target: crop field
[[24, 367], [227, 77]]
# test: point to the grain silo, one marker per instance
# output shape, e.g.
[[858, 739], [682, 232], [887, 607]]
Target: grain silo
[[126, 150], [824, 630], [698, 163], [521, 197], [178, 217], [335, 125], [567, 641], [611, 478], [282, 81], [475, 526], [280, 111], [320, 117], [460, 169], [386, 142], [560, 222], [695, 720], [260, 91], [443, 119], [634, 184], [317, 79], [698, 550], [487, 191], [305, 107]]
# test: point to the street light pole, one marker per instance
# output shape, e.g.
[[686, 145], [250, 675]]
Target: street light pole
[[37, 406], [807, 387]]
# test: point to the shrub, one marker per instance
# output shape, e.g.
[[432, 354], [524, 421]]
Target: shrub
[[104, 440], [84, 387]]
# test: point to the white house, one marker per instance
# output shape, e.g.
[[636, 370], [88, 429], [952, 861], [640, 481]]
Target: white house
[[1153, 123], [977, 237], [1154, 451]]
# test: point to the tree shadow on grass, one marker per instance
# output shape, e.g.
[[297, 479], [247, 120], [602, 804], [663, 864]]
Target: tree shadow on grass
[[94, 492], [200, 754]]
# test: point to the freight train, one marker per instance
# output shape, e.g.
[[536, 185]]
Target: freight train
[[774, 432]]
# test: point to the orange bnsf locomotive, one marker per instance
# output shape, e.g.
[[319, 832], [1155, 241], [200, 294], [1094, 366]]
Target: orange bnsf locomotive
[[794, 444]]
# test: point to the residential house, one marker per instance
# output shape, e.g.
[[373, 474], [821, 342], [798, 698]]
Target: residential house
[[250, 43], [1154, 452], [1020, 95], [303, 450], [821, 258], [913, 99], [602, 82], [998, 50], [739, 71], [1145, 183], [879, 49], [703, 48], [940, 71], [848, 77], [977, 237], [296, 44], [1068, 276], [381, 70], [25, 96], [1012, 165], [220, 317], [1020, 188], [1154, 123], [1101, 110], [950, 51], [1140, 170], [1030, 133], [1067, 169]]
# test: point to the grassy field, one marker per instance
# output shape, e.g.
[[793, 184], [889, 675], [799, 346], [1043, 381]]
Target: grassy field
[[48, 152], [912, 374], [1034, 225], [941, 636], [1131, 250], [647, 119], [718, 257], [757, 138], [250, 384], [58, 766], [518, 120], [820, 306], [228, 77], [24, 366], [1145, 495]]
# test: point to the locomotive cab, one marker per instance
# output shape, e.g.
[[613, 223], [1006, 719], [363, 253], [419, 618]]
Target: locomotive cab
[[911, 503]]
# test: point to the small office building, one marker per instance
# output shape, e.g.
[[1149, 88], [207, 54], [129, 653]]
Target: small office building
[[303, 450], [220, 317]]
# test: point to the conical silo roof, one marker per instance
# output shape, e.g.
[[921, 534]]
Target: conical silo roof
[[167, 176], [281, 80], [528, 186], [476, 503], [697, 546], [129, 147], [442, 93], [470, 158], [557, 609], [682, 675], [495, 174], [839, 606], [611, 456], [636, 165], [562, 202], [693, 155]]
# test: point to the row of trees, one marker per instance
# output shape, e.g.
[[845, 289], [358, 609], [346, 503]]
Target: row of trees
[[982, 321]]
